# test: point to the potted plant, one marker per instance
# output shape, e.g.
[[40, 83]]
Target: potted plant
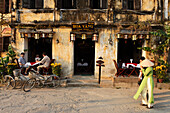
[[11, 67], [161, 72], [56, 69]]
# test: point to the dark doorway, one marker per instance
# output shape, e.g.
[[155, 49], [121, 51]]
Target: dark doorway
[[38, 46], [84, 54], [128, 49]]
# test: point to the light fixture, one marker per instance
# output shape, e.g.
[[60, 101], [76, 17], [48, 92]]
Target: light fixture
[[147, 37], [141, 37], [126, 36], [118, 35], [22, 35], [57, 41], [36, 36], [43, 35], [29, 35], [95, 37], [134, 37], [83, 37], [72, 37], [50, 35], [26, 35]]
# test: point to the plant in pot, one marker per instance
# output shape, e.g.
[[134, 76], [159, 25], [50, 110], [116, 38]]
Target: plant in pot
[[56, 69], [161, 72]]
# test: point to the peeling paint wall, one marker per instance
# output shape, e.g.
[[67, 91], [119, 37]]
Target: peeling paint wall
[[107, 51], [63, 52]]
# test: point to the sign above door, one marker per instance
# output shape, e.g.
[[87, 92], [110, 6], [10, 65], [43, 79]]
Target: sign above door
[[83, 27]]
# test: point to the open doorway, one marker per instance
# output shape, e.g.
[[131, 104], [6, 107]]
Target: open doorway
[[84, 55], [128, 49], [38, 46]]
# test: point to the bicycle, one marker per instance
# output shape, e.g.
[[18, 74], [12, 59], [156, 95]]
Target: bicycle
[[16, 81], [40, 80]]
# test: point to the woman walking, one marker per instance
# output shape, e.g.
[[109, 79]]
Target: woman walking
[[147, 84]]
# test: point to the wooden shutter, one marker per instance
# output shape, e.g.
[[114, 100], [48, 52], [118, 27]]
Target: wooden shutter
[[39, 4], [104, 4], [26, 3], [2, 6], [5, 43], [1, 44], [124, 4], [137, 4], [59, 4]]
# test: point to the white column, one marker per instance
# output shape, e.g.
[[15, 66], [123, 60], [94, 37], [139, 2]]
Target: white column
[[26, 47]]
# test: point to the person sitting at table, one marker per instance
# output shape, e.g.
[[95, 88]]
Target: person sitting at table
[[37, 58], [45, 62], [22, 60]]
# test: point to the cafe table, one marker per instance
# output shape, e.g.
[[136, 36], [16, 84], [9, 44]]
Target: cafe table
[[131, 67]]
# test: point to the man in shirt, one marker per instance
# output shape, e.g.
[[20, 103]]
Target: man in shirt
[[45, 62], [22, 60]]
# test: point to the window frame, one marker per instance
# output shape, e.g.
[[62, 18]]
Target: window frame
[[31, 4]]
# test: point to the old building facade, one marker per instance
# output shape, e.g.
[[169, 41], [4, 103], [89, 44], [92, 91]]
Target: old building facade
[[76, 32]]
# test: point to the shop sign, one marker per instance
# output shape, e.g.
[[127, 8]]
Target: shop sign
[[83, 27]]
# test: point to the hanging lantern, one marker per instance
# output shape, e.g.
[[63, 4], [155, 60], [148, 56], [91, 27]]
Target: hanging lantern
[[141, 37], [43, 35], [126, 36], [134, 37], [29, 35], [83, 37], [95, 37], [118, 35], [37, 36], [72, 37], [50, 35], [22, 35], [26, 35], [147, 37]]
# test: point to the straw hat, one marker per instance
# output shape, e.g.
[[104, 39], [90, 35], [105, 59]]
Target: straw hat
[[146, 63]]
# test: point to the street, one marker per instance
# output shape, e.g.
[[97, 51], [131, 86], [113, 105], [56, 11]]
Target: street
[[80, 100]]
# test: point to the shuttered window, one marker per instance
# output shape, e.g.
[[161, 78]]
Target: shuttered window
[[1, 44], [131, 4], [5, 6], [4, 42], [98, 4], [66, 4], [33, 4]]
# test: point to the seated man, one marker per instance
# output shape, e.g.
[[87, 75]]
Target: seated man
[[45, 62], [22, 62]]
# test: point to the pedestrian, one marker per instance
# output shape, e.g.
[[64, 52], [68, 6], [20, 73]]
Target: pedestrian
[[140, 72], [147, 84]]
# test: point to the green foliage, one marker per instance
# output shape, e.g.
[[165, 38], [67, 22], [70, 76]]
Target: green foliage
[[11, 53]]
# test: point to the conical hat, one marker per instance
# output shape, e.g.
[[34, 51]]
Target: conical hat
[[146, 63]]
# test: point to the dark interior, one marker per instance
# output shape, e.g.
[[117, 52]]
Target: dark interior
[[128, 49], [84, 52], [38, 46]]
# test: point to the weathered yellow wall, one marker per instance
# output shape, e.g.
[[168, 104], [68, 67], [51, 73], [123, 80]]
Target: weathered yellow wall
[[30, 17], [107, 51], [48, 3], [148, 5], [63, 51]]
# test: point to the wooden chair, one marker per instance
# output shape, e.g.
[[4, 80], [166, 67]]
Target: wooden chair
[[47, 69], [120, 71]]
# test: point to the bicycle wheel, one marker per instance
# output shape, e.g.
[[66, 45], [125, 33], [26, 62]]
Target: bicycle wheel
[[56, 82], [9, 82], [29, 85]]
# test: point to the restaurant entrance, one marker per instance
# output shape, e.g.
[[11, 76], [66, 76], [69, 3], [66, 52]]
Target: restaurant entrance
[[38, 46], [128, 49], [84, 55]]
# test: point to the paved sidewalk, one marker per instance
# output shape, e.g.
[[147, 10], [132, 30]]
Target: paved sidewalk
[[80, 100]]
